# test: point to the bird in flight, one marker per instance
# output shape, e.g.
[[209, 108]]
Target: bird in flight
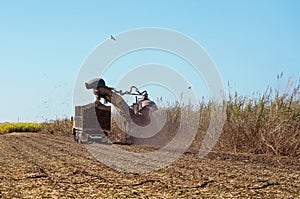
[[112, 37]]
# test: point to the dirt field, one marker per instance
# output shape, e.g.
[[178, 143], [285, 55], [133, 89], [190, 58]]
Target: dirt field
[[47, 166]]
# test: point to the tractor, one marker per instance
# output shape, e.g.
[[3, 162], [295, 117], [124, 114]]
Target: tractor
[[92, 122]]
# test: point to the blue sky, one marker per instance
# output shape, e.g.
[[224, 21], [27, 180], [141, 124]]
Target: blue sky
[[44, 43]]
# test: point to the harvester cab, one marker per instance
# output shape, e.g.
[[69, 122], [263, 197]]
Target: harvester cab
[[93, 121]]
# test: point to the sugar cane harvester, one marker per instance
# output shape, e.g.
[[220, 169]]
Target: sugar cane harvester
[[92, 122]]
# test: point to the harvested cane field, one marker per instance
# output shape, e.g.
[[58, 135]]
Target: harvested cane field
[[257, 156], [35, 165]]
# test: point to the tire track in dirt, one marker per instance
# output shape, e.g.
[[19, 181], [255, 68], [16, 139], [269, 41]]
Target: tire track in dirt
[[71, 149], [62, 140], [86, 168], [14, 155], [101, 151], [24, 173], [57, 161], [129, 160]]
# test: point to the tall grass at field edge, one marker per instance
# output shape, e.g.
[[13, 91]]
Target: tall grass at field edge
[[268, 123]]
